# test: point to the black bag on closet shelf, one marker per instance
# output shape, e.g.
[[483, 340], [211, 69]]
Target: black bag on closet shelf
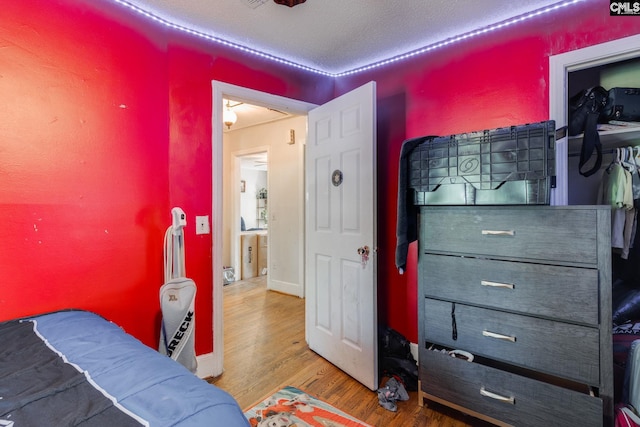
[[623, 103], [584, 113]]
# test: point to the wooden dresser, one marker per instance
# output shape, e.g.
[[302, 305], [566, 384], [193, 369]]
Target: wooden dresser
[[527, 291]]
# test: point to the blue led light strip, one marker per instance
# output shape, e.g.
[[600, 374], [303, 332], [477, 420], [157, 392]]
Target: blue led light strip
[[220, 40], [459, 38], [371, 66]]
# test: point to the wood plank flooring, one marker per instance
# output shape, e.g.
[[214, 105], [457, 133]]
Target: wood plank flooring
[[265, 350]]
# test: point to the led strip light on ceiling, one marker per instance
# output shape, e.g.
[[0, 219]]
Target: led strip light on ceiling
[[371, 66], [461, 37], [219, 40]]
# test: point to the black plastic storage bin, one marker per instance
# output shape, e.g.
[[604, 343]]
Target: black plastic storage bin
[[504, 166]]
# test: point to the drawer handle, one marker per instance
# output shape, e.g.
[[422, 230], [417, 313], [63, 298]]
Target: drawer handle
[[498, 336], [510, 400], [497, 284], [498, 232]]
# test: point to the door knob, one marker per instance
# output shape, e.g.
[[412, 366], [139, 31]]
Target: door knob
[[364, 254]]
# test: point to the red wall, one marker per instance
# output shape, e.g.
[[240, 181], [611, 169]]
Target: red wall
[[498, 79], [83, 143], [105, 124]]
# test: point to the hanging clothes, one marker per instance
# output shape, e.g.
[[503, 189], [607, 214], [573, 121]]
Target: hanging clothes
[[616, 190]]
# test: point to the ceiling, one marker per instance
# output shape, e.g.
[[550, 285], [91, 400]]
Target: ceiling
[[336, 36]]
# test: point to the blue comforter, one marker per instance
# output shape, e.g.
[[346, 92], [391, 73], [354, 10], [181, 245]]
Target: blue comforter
[[75, 368]]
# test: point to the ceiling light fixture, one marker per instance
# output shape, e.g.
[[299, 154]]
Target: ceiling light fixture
[[229, 118], [289, 3]]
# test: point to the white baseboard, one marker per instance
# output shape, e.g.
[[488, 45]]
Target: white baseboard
[[285, 287], [206, 365], [414, 350]]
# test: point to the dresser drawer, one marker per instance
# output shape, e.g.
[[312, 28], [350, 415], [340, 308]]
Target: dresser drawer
[[557, 292], [539, 233], [527, 402], [562, 349]]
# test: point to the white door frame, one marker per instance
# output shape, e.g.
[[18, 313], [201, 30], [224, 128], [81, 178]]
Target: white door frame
[[559, 67], [220, 89]]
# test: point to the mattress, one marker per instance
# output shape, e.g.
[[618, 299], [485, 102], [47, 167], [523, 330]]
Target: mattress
[[76, 368]]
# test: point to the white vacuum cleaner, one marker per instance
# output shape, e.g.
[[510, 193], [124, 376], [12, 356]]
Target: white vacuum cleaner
[[177, 298]]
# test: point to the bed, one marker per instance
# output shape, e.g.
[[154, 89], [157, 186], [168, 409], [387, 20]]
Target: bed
[[76, 368]]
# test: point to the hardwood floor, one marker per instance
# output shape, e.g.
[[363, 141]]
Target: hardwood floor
[[265, 350]]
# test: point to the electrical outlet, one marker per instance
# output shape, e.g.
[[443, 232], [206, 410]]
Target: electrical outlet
[[202, 224]]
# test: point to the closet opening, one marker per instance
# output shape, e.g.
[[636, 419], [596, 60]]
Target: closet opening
[[614, 64], [619, 138]]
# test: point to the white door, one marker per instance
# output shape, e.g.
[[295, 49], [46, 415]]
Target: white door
[[341, 309]]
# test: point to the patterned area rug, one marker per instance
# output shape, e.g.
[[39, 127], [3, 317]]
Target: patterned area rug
[[293, 407]]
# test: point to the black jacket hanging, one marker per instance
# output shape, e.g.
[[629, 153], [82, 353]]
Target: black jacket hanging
[[407, 220], [584, 114]]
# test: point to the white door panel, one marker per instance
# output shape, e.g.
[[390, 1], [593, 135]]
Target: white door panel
[[341, 290]]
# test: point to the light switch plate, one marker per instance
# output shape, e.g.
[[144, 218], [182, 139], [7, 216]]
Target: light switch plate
[[202, 224]]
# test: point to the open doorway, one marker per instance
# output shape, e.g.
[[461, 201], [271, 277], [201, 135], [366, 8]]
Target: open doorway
[[251, 239], [341, 138], [272, 202], [284, 216]]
